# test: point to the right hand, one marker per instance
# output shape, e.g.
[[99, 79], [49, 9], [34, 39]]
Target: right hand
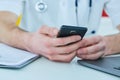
[[44, 42]]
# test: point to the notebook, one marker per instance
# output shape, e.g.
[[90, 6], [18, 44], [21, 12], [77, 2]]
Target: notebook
[[15, 58], [110, 65]]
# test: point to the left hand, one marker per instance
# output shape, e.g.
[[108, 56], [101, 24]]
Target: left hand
[[44, 42], [92, 48]]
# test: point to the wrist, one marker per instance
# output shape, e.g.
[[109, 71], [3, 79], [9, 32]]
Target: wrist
[[27, 41], [112, 42], [108, 46], [23, 39]]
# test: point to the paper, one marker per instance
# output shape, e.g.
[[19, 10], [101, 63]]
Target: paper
[[14, 58]]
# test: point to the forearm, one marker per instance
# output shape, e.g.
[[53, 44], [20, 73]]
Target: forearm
[[9, 33], [16, 38], [113, 43]]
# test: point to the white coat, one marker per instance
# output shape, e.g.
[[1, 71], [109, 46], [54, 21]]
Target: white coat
[[63, 12]]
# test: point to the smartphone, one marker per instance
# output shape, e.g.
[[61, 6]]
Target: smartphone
[[67, 30]]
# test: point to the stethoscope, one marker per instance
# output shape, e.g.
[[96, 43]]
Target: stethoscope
[[42, 7], [76, 11]]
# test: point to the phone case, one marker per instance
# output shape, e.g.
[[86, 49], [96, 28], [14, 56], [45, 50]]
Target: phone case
[[72, 30]]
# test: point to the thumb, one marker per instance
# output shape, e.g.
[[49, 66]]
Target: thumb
[[50, 31]]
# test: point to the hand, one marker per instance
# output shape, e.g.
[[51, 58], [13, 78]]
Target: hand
[[44, 42], [92, 48]]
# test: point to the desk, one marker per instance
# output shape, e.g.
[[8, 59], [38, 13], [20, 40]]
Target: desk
[[43, 69]]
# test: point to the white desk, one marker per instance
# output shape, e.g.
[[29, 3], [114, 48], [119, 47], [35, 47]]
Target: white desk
[[43, 69]]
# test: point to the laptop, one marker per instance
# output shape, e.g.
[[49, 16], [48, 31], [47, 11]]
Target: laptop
[[110, 65]]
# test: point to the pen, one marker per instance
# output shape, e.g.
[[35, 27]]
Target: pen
[[18, 20]]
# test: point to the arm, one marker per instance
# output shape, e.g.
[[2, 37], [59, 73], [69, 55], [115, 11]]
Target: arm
[[113, 43], [97, 46], [9, 33], [94, 47], [41, 42]]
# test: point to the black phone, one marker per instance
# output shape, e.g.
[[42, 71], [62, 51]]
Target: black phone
[[67, 30]]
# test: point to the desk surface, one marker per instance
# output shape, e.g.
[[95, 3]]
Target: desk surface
[[43, 69]]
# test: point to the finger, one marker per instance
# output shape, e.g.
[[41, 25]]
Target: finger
[[65, 40], [90, 41], [49, 42], [92, 49], [93, 56], [63, 58], [67, 49], [51, 31]]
